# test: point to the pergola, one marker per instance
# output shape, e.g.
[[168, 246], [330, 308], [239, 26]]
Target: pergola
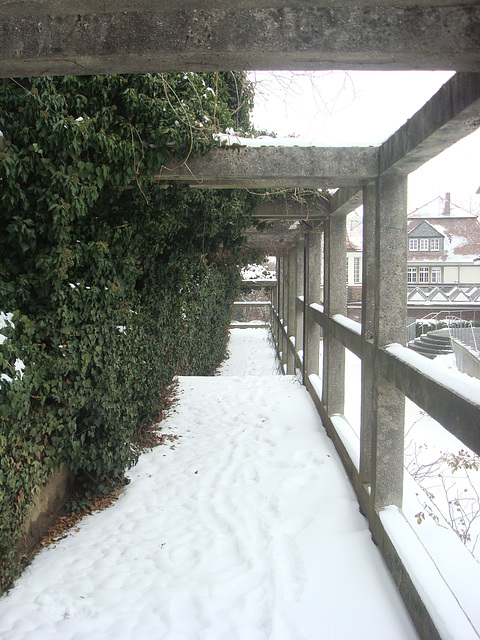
[[46, 37]]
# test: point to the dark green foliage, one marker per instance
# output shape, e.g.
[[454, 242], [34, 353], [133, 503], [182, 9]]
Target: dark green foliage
[[116, 284]]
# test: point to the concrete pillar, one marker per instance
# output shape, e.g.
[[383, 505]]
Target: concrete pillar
[[274, 297], [335, 302], [281, 309], [313, 293], [389, 326], [299, 291], [291, 290], [369, 275]]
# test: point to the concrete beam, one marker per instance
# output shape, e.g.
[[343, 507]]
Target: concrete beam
[[278, 235], [29, 8], [148, 40], [344, 201], [290, 210], [268, 167], [450, 115]]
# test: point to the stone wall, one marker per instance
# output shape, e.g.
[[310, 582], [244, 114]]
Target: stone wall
[[47, 504]]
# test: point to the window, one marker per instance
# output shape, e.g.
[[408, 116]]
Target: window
[[411, 274], [424, 244], [413, 244], [436, 274], [356, 270], [435, 244], [423, 274]]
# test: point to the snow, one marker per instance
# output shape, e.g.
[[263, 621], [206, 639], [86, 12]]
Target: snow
[[352, 325], [442, 604], [463, 385], [5, 320], [441, 567], [246, 529], [232, 139], [262, 271]]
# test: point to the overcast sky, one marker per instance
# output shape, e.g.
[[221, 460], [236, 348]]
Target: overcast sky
[[359, 108]]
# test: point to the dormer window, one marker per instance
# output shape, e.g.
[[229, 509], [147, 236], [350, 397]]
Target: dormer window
[[425, 238], [424, 244]]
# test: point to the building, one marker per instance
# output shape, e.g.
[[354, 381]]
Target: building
[[443, 264]]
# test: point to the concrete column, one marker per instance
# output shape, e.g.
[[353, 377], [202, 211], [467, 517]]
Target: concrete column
[[299, 291], [335, 302], [291, 290], [369, 274], [389, 326], [313, 256], [281, 309], [274, 304]]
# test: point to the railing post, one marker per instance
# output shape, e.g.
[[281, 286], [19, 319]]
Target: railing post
[[312, 293], [389, 326], [291, 288], [274, 298], [282, 310], [299, 291], [335, 302], [369, 274]]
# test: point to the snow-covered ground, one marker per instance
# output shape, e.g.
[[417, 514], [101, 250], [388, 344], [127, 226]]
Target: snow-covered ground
[[247, 529]]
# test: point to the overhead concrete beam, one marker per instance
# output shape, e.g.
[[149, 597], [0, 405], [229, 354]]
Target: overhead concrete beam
[[344, 201], [299, 37], [261, 239], [450, 115], [276, 167], [29, 8], [290, 210]]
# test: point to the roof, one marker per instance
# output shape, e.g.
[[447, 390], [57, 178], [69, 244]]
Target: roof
[[436, 209], [462, 239], [424, 230]]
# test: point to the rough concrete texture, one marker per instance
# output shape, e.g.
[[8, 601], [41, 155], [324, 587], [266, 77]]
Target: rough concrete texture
[[345, 200], [290, 210], [46, 506], [391, 260], [452, 113], [265, 167], [25, 8], [333, 37]]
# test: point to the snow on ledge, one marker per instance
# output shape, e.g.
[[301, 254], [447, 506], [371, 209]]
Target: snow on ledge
[[352, 325], [348, 437], [447, 378], [232, 139], [317, 307], [444, 608]]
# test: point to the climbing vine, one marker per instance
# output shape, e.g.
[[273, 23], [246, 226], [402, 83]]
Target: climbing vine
[[115, 284]]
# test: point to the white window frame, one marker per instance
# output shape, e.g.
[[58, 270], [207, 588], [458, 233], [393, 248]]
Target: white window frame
[[413, 244], [412, 274], [436, 274], [423, 274], [435, 244], [423, 244], [356, 270]]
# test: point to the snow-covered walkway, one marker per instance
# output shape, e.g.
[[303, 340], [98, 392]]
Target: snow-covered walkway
[[247, 529]]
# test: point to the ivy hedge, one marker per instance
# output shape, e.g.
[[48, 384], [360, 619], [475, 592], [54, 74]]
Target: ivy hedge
[[116, 284]]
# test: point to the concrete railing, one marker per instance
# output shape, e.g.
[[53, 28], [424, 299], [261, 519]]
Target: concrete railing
[[468, 359], [399, 373]]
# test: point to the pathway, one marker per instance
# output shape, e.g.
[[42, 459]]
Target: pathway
[[247, 529]]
